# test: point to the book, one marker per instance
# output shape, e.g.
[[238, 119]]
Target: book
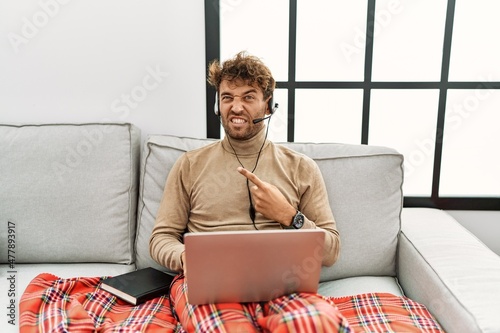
[[138, 286]]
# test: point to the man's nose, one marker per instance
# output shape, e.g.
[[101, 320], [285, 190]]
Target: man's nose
[[237, 105]]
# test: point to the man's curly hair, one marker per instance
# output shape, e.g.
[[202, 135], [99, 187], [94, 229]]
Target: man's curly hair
[[247, 68]]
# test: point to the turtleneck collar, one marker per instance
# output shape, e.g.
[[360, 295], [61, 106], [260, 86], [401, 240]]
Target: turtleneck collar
[[246, 147]]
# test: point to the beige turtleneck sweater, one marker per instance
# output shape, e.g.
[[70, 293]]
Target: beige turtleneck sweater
[[205, 192]]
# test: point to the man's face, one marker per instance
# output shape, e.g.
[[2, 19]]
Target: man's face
[[239, 104]]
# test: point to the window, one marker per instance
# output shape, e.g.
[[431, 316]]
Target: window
[[405, 119], [404, 48], [334, 114], [471, 157], [259, 27], [422, 77], [330, 40]]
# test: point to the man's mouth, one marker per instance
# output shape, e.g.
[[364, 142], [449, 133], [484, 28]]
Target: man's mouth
[[238, 120]]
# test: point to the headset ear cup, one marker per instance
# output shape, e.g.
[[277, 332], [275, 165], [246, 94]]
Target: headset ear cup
[[216, 105], [270, 105]]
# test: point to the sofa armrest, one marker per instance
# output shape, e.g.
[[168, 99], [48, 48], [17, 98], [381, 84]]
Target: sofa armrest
[[442, 265]]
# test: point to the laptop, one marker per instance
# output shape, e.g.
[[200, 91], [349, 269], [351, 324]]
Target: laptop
[[252, 266]]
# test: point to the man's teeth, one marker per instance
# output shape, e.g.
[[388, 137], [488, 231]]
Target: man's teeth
[[238, 120]]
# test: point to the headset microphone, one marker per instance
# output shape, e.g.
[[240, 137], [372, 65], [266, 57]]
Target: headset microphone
[[258, 120]]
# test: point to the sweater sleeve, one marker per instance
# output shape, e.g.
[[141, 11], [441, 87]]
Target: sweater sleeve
[[166, 242], [315, 206]]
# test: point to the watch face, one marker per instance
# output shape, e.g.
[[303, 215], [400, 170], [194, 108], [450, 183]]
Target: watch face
[[298, 220]]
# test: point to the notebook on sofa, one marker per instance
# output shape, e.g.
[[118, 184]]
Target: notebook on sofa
[[252, 266]]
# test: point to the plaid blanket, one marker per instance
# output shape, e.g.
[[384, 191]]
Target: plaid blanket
[[52, 304]]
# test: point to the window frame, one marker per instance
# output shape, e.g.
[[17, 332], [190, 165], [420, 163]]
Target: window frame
[[212, 42]]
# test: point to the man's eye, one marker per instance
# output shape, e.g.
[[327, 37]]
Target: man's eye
[[226, 98], [249, 97]]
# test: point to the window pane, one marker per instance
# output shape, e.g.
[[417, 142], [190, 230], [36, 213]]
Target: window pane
[[278, 126], [408, 44], [328, 115], [259, 27], [475, 49], [471, 158], [406, 121], [331, 40]]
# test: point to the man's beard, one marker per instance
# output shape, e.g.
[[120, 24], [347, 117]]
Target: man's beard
[[243, 134]]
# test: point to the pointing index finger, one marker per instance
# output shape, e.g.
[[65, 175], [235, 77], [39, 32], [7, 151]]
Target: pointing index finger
[[250, 176]]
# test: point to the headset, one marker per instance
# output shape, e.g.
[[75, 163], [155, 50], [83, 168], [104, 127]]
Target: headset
[[271, 105]]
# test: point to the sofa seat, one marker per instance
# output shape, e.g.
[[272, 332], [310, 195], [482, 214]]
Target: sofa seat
[[360, 285], [25, 273]]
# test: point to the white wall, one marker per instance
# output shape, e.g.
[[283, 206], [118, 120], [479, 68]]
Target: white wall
[[484, 224], [133, 61]]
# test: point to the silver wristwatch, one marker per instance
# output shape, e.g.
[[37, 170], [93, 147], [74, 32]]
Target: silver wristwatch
[[298, 220]]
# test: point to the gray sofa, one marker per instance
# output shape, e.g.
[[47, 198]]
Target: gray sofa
[[81, 200]]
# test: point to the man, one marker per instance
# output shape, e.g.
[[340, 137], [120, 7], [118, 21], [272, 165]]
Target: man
[[244, 182]]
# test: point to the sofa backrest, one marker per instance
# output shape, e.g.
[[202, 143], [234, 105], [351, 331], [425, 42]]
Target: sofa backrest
[[70, 191], [158, 156], [364, 185]]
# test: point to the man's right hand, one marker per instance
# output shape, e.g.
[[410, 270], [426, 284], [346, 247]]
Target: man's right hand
[[268, 200]]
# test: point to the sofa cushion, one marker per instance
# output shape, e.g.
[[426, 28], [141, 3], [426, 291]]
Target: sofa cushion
[[364, 185], [360, 285], [70, 191], [159, 155]]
